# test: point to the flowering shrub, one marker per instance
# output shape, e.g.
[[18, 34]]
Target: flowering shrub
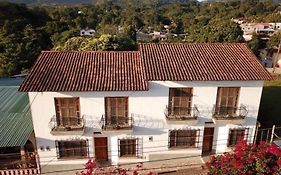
[[247, 159], [91, 168]]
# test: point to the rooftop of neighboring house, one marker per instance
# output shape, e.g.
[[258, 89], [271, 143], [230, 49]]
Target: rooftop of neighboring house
[[131, 70], [15, 115]]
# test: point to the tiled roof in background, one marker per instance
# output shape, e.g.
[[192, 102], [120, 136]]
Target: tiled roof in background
[[15, 115], [86, 71], [201, 62]]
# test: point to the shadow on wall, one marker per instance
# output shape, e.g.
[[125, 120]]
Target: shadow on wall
[[155, 89], [45, 144], [148, 131], [270, 112], [250, 120]]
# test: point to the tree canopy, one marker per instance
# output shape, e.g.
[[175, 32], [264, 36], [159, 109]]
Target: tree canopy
[[26, 30]]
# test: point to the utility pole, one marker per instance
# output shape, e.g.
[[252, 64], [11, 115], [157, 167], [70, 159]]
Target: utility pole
[[275, 59]]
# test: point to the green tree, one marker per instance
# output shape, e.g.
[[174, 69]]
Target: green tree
[[21, 38], [104, 42], [256, 44], [274, 40]]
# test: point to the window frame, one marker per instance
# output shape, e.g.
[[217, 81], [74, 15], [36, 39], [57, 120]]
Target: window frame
[[173, 138], [135, 151], [181, 98], [59, 107], [62, 152], [108, 110], [234, 139], [227, 109]]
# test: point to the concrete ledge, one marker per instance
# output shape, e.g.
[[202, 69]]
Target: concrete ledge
[[65, 169], [71, 132]]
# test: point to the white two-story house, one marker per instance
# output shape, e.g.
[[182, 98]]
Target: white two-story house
[[162, 101]]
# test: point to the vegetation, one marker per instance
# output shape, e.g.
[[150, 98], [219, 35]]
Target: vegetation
[[25, 31], [269, 111], [91, 168], [247, 159]]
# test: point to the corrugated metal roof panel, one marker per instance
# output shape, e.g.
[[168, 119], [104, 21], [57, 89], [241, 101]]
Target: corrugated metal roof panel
[[15, 116]]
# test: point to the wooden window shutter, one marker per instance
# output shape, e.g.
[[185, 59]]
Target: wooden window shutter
[[237, 91], [125, 99], [218, 101], [77, 106], [170, 104], [106, 108], [57, 109]]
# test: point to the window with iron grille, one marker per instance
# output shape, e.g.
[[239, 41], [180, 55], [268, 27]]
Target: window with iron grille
[[72, 149], [129, 147], [184, 138], [236, 135], [116, 110], [180, 101], [67, 111], [227, 99]]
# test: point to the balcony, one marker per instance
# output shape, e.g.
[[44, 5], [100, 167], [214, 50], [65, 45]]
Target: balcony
[[184, 115], [67, 125], [230, 114], [114, 123]]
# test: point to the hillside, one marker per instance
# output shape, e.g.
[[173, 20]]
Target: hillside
[[50, 1], [119, 2]]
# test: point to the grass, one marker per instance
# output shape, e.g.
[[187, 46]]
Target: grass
[[270, 106]]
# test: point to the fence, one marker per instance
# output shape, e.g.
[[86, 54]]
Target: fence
[[17, 168], [268, 135]]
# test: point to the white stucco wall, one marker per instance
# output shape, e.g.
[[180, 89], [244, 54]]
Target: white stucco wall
[[150, 120]]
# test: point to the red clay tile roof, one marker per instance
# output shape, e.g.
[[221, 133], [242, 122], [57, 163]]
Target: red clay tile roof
[[86, 71], [131, 71], [206, 62]]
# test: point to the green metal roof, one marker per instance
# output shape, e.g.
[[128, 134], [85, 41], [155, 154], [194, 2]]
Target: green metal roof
[[11, 81], [15, 115]]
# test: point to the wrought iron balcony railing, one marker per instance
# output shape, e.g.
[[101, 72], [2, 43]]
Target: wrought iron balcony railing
[[67, 123], [230, 112], [181, 113], [116, 122]]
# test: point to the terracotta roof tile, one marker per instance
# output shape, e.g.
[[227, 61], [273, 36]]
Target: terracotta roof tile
[[86, 71], [201, 62], [131, 71]]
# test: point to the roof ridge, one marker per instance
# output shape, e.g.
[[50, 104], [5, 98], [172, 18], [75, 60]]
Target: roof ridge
[[73, 51], [216, 43]]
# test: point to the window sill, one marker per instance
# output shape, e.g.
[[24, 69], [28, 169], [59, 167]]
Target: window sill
[[229, 120], [111, 130], [128, 157], [189, 121], [117, 127], [228, 117], [76, 131], [183, 147], [181, 117], [72, 158]]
